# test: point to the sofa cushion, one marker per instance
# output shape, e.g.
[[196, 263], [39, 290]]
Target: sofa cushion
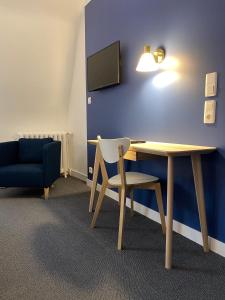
[[31, 150], [22, 175]]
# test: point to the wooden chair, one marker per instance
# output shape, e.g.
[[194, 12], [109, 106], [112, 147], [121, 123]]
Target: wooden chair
[[113, 151]]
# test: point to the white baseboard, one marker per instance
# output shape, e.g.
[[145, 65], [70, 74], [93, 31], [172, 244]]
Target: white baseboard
[[78, 175], [186, 231]]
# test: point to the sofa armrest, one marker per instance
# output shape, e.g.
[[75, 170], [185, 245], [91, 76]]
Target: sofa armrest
[[8, 153], [51, 162]]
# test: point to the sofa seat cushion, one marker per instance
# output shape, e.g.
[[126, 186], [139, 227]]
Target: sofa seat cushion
[[22, 175], [31, 150]]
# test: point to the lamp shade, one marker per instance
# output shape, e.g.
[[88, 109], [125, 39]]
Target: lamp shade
[[147, 62]]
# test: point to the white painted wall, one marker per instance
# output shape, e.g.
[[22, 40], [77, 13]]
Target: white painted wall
[[77, 108], [36, 57]]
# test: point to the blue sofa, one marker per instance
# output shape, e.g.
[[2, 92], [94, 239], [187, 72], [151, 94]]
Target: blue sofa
[[30, 163]]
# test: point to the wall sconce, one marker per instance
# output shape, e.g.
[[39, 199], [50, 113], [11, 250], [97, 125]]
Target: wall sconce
[[159, 55], [150, 62]]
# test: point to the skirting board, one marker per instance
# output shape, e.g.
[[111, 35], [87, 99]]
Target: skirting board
[[186, 231], [78, 175]]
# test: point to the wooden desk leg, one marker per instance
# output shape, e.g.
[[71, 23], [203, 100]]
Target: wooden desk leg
[[122, 216], [197, 172], [95, 178], [119, 188], [169, 227]]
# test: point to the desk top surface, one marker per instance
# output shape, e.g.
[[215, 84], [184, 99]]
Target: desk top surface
[[166, 149]]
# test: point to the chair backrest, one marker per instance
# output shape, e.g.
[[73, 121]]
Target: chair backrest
[[110, 148]]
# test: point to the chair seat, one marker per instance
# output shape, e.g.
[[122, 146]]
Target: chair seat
[[133, 178]]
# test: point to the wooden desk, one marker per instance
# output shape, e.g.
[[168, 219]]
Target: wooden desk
[[150, 150]]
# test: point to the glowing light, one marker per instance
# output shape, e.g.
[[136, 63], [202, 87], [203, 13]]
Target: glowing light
[[165, 79], [147, 63], [169, 63]]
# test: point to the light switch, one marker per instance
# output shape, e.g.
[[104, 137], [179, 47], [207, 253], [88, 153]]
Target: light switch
[[211, 84], [89, 100], [210, 112]]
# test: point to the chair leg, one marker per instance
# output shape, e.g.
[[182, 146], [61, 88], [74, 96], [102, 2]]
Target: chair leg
[[46, 193], [132, 202], [121, 221], [119, 192], [158, 192], [99, 204]]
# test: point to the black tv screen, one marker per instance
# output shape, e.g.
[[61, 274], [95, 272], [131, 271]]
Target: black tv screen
[[103, 68]]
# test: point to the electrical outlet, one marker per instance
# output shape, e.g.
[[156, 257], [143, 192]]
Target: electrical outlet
[[90, 170], [210, 112], [211, 84]]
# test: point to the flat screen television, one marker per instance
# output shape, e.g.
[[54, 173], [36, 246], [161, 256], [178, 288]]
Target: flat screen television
[[103, 68]]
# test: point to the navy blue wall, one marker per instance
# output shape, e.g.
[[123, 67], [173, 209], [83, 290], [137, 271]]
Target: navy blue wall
[[193, 32]]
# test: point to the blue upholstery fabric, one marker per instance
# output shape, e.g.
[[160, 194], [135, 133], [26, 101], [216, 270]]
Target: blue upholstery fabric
[[51, 162], [8, 153], [22, 175], [29, 163], [30, 150]]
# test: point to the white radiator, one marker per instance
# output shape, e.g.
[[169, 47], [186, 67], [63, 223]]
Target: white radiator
[[64, 138]]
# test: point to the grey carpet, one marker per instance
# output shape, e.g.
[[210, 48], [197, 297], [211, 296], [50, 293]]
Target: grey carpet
[[48, 251]]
